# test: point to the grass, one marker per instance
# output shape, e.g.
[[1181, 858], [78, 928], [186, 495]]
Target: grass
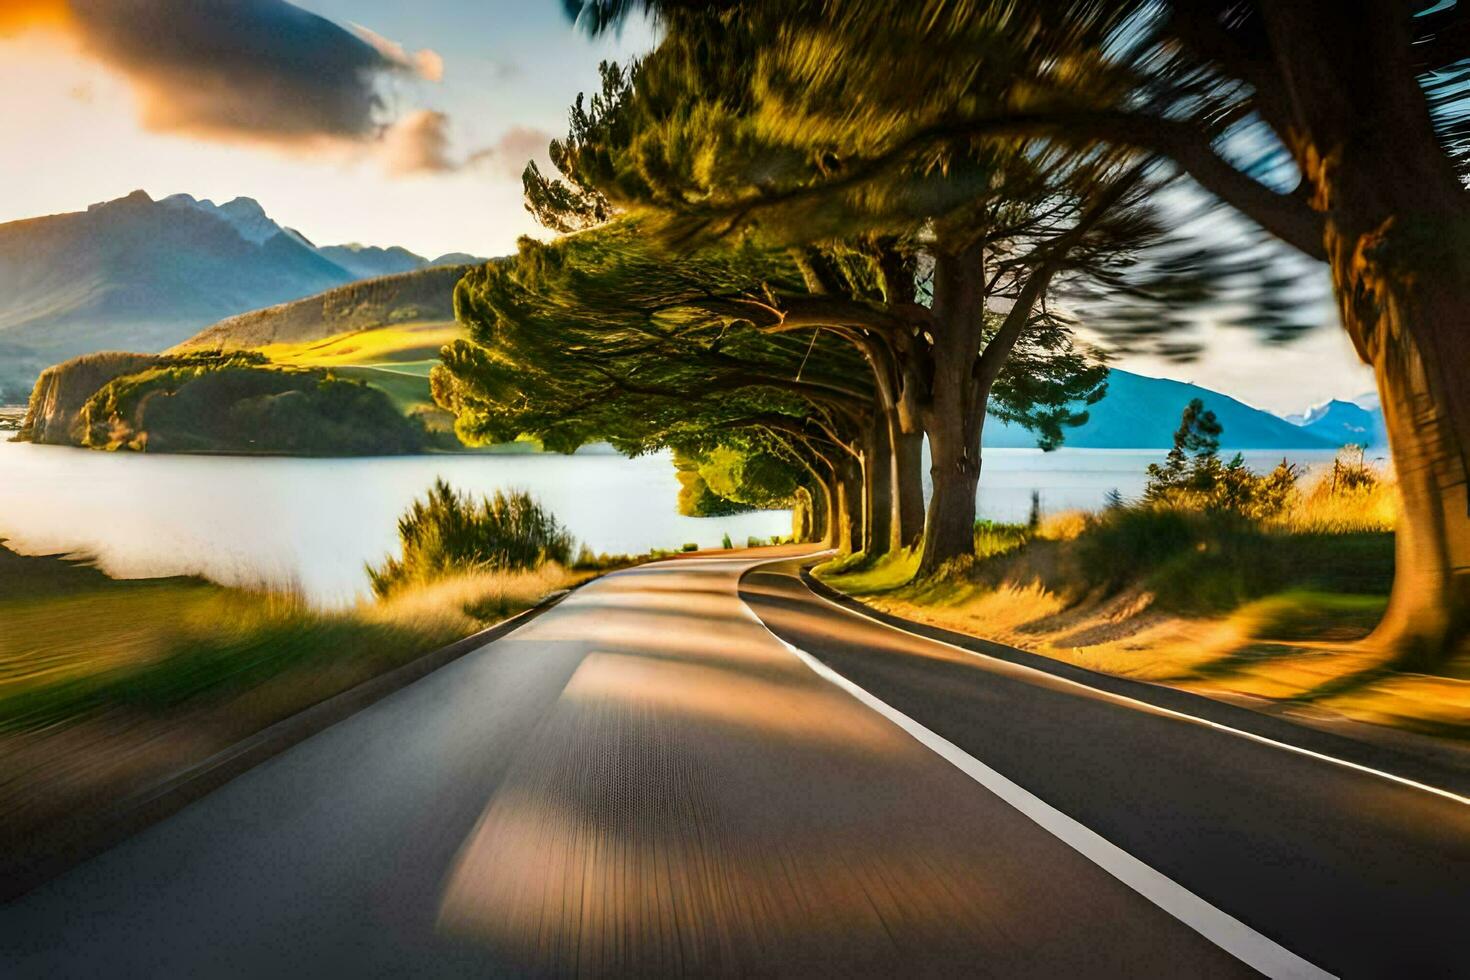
[[401, 346], [397, 361], [1274, 609], [78, 643], [449, 533], [108, 686]]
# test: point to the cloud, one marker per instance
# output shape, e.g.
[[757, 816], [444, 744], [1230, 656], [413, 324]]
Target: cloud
[[426, 64], [419, 143], [237, 70], [507, 156], [416, 144]]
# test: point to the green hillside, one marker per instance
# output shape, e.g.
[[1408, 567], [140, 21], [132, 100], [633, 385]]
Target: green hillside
[[345, 372], [418, 297]]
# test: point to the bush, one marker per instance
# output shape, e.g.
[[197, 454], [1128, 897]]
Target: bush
[[690, 546], [450, 533], [993, 538], [1193, 477], [1206, 561], [726, 543]]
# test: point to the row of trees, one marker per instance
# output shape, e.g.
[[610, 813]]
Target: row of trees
[[828, 231]]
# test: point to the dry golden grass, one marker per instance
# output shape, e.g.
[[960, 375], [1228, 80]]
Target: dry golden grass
[[109, 686], [163, 645], [1321, 508], [1300, 647]]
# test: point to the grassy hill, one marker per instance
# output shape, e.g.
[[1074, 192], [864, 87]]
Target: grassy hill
[[324, 352], [418, 297], [395, 359]]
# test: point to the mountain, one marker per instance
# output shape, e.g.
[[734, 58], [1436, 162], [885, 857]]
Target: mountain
[[367, 261], [139, 274], [1341, 422], [1139, 412]]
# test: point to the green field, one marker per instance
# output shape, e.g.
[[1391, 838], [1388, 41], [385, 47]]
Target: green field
[[396, 360]]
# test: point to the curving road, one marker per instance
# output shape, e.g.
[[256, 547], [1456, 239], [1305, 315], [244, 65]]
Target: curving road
[[647, 779]]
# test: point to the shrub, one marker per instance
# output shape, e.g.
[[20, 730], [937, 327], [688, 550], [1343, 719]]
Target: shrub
[[450, 532], [1352, 497], [690, 546], [725, 542], [1193, 477], [993, 538]]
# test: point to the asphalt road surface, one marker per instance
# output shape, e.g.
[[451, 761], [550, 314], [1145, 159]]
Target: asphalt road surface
[[647, 780]]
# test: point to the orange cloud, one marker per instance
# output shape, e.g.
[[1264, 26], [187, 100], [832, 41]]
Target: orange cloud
[[20, 16]]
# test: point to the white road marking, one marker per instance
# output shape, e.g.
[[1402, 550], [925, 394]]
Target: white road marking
[[1125, 699], [1225, 931]]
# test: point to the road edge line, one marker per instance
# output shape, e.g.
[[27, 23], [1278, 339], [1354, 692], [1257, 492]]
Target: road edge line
[[1172, 712], [1252, 948]]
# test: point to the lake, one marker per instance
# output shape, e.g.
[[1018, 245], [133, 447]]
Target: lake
[[314, 522]]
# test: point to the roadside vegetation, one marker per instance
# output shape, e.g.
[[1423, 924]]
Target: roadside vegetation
[[107, 685], [1220, 580]]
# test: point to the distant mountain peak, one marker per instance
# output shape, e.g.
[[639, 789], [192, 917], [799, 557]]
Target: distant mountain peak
[[1340, 421], [143, 274], [134, 199]]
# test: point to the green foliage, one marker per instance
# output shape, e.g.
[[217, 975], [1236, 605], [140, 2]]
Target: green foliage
[[725, 542], [690, 546], [238, 402], [726, 480], [1205, 561], [993, 538], [449, 532], [1192, 475], [696, 498]]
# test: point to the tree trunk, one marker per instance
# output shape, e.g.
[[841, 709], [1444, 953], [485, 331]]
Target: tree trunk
[[801, 515], [849, 507], [956, 406], [1429, 608], [955, 472], [822, 524], [908, 488], [1354, 116], [878, 495]]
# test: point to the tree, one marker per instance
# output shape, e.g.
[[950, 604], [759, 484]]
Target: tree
[[1339, 127], [1193, 476], [684, 138], [599, 336]]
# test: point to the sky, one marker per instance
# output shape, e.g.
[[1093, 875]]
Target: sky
[[380, 122]]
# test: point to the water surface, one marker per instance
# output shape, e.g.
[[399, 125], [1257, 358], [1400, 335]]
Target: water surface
[[314, 522]]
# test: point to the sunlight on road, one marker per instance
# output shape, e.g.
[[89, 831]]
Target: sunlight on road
[[698, 799]]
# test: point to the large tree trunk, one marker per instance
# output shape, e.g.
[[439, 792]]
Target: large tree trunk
[[802, 518], [1429, 609], [955, 407], [1396, 217], [878, 495], [955, 472]]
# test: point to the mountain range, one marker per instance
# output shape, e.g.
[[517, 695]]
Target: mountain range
[[1139, 412], [139, 274], [1341, 422]]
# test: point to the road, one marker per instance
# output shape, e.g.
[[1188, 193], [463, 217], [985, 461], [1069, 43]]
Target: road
[[647, 779]]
